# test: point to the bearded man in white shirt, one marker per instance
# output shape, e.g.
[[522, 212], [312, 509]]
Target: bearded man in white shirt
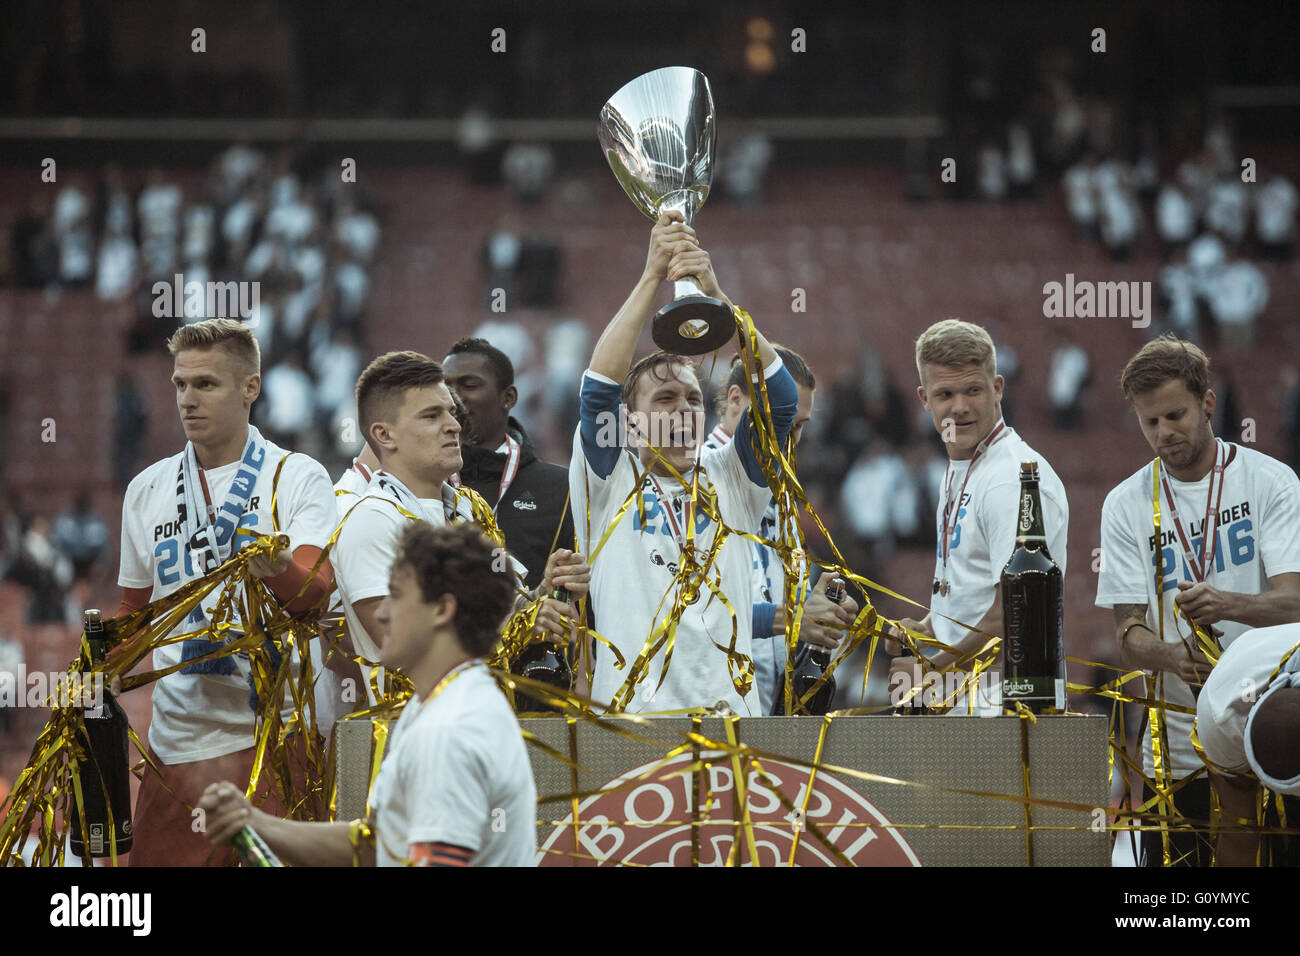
[[1227, 559]]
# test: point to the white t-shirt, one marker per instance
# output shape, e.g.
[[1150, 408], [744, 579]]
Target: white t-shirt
[[1257, 540], [367, 545], [769, 588], [1235, 685], [698, 675], [329, 691], [354, 481], [456, 771], [984, 535], [204, 714]]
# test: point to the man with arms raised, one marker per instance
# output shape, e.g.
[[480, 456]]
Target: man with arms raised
[[978, 502], [184, 516], [1228, 558], [635, 578], [455, 787]]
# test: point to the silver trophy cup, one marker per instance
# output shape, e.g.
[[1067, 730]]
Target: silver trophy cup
[[658, 134]]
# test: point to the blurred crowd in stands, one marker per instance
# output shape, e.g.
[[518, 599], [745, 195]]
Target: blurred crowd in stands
[[286, 230], [1211, 221], [54, 561]]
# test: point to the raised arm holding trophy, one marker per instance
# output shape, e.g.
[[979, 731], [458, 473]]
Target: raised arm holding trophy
[[658, 133]]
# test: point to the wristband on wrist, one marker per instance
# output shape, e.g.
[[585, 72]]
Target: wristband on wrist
[[1124, 633]]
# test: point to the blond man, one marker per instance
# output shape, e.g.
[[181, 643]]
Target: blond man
[[978, 501], [184, 516]]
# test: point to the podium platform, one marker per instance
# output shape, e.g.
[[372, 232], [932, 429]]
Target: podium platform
[[637, 805]]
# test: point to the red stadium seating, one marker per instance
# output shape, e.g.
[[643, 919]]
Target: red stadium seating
[[876, 270]]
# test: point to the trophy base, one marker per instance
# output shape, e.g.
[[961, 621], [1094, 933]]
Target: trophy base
[[693, 325]]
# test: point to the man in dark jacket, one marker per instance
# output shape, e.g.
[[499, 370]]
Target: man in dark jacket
[[529, 495]]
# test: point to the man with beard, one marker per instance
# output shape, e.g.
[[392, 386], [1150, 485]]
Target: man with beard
[[1227, 559]]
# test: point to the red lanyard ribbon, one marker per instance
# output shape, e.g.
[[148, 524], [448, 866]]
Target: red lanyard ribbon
[[507, 474], [207, 497], [1210, 525], [667, 505], [952, 509]]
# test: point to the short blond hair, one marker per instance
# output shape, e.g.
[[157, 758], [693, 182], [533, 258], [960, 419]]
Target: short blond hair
[[230, 335], [955, 343]]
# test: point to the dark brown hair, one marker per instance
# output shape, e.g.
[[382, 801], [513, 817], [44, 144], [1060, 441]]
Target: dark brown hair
[[660, 366], [497, 360], [1272, 733], [461, 561], [1163, 359], [384, 381], [795, 364]]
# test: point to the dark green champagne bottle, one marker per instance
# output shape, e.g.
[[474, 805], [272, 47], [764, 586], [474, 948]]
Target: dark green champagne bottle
[[1033, 610], [105, 771], [810, 664], [547, 663], [252, 849]]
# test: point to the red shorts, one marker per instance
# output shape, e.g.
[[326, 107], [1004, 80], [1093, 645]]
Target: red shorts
[[166, 831]]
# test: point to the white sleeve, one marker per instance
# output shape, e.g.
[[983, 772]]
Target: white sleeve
[[309, 514], [448, 799], [364, 552], [1123, 557], [725, 468], [136, 567], [1223, 704], [590, 492], [1279, 544], [1056, 522], [996, 520]]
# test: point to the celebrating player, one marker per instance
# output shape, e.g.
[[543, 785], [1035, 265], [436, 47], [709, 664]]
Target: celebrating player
[[407, 416], [1246, 720], [181, 518], [823, 619], [1227, 557], [976, 518], [455, 787], [633, 578]]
